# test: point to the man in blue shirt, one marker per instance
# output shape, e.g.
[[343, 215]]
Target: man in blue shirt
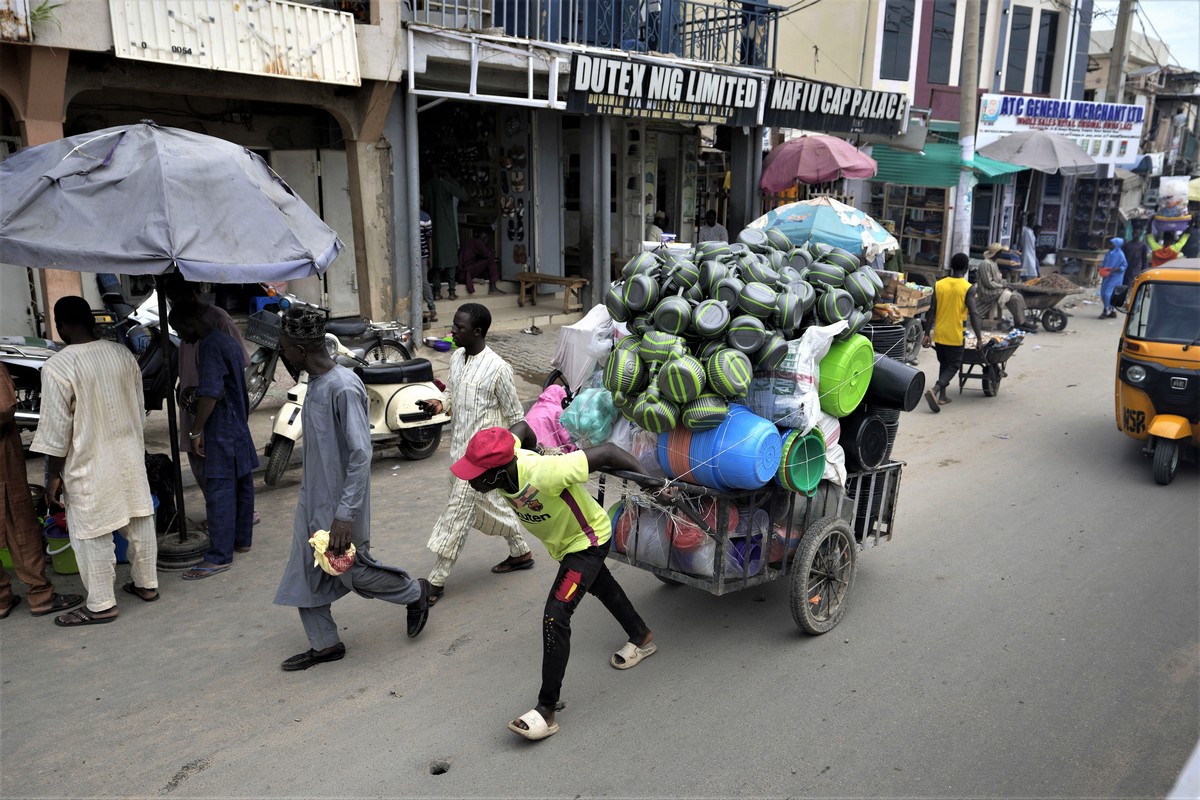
[[221, 436]]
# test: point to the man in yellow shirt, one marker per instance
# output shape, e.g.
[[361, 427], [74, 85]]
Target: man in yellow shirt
[[953, 301], [549, 496]]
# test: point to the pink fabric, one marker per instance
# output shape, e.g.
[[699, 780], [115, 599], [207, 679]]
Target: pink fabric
[[543, 419]]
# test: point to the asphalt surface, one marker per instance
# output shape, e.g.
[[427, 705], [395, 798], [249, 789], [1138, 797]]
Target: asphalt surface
[[1031, 630]]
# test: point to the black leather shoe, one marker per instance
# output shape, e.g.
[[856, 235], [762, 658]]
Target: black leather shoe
[[418, 612], [312, 658]]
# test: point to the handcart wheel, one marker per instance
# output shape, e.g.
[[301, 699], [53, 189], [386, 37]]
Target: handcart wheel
[[1054, 320], [822, 574], [991, 380]]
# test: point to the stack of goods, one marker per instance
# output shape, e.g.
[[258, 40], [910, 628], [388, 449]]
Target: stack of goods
[[703, 321], [901, 299], [1054, 281]]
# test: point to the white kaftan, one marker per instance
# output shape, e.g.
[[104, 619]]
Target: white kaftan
[[92, 414], [480, 393]]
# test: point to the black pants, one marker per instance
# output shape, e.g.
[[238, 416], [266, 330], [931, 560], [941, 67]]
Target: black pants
[[580, 572], [949, 361]]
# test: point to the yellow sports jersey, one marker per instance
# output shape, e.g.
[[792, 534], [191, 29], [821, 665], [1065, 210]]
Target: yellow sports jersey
[[554, 505], [951, 311]]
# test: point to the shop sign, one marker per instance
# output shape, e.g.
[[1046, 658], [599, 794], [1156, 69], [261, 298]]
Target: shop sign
[[1108, 132], [816, 106], [637, 89]]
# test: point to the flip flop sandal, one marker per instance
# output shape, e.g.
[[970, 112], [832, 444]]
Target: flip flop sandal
[[511, 564], [16, 601], [60, 602], [199, 573], [435, 594], [631, 655], [132, 588], [81, 616], [512, 229], [535, 728], [932, 400]]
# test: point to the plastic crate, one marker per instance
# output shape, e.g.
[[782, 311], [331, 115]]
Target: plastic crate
[[263, 328]]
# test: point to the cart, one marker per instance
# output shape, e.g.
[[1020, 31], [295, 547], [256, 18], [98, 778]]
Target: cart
[[991, 361], [812, 541], [1040, 302]]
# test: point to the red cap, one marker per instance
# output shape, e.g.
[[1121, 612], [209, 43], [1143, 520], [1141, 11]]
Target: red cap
[[488, 449]]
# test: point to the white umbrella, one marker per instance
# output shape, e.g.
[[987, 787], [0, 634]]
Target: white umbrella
[[1043, 151]]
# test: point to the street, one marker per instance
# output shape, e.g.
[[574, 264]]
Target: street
[[1033, 629]]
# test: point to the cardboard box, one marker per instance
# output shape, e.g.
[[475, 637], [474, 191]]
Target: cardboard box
[[907, 297]]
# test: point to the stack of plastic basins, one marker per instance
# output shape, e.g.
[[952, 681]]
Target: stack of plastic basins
[[888, 340]]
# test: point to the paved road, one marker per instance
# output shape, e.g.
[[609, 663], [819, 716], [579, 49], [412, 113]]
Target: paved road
[[1032, 630]]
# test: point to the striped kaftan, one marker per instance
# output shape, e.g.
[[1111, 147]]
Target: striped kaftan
[[480, 393]]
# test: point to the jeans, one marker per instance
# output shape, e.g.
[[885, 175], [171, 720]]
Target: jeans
[[579, 572], [949, 358]]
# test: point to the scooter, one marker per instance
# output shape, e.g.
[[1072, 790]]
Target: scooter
[[364, 339], [24, 357], [396, 392]]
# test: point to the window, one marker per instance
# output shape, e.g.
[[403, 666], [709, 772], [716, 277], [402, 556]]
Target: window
[[941, 42], [897, 39], [1043, 65], [1165, 312], [1018, 49]]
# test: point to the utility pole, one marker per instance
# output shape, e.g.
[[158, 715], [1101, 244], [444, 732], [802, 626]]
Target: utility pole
[[1115, 91], [968, 86]]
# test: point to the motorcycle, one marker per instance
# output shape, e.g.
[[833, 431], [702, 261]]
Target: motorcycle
[[364, 339], [396, 392], [24, 357]]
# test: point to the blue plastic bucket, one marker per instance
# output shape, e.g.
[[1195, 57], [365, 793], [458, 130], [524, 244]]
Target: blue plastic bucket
[[740, 453]]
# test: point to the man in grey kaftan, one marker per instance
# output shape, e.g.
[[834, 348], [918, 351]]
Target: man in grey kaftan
[[336, 486]]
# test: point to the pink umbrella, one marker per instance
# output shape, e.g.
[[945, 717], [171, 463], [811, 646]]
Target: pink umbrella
[[814, 159]]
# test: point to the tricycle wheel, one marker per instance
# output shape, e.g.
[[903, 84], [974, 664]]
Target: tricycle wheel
[[420, 444], [991, 380], [1054, 320], [1166, 460], [822, 574]]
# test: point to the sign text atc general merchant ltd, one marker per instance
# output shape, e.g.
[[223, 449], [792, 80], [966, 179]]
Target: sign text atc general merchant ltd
[[652, 90]]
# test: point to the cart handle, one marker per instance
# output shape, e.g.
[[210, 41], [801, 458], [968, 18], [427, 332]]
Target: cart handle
[[641, 479]]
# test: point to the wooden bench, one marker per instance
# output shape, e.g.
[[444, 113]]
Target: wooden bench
[[572, 294]]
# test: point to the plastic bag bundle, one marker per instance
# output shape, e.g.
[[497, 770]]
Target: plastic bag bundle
[[545, 419], [601, 341], [329, 563], [646, 536], [590, 417], [789, 395]]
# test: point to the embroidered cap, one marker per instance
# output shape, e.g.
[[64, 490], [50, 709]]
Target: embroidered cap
[[488, 449]]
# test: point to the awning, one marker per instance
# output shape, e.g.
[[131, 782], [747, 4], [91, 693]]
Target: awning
[[939, 166]]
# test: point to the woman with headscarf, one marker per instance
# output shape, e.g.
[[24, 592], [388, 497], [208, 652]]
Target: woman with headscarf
[[1113, 270]]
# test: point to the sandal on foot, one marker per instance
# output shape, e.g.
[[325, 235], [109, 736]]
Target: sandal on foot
[[511, 564], [631, 655], [535, 726], [932, 399], [16, 601], [60, 602], [81, 616], [137, 591], [196, 573], [435, 594], [418, 612], [311, 658]]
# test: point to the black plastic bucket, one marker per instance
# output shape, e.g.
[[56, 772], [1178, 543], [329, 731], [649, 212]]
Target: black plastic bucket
[[886, 339], [895, 384], [864, 440], [891, 421]]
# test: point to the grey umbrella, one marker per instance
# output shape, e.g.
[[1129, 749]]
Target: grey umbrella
[[147, 200], [1043, 151]]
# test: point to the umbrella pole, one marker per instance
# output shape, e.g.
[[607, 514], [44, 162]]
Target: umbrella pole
[[160, 286]]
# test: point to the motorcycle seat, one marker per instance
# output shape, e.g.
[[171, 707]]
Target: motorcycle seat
[[346, 326], [415, 370]]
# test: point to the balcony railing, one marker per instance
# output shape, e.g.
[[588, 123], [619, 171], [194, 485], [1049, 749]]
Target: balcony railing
[[718, 31]]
